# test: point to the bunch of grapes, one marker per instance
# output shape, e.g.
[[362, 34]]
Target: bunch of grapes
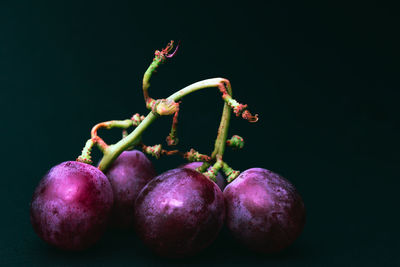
[[177, 213]]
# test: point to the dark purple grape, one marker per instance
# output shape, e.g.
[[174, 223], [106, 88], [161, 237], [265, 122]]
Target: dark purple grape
[[264, 210], [179, 213], [128, 174], [71, 205], [221, 182]]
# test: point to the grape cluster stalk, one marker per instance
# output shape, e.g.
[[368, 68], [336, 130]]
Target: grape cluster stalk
[[177, 213]]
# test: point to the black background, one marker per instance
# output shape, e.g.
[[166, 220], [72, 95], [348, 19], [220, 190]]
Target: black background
[[323, 77]]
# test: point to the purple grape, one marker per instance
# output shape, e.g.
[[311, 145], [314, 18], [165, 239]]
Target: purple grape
[[128, 174], [179, 213], [221, 182], [71, 205], [264, 210]]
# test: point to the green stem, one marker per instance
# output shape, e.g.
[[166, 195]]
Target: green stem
[[159, 58], [113, 151], [146, 78], [220, 142], [172, 139], [85, 156]]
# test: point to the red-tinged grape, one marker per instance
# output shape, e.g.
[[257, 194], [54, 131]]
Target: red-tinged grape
[[179, 213], [220, 180], [71, 206], [264, 210], [128, 174]]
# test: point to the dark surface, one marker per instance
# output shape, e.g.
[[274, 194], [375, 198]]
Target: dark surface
[[323, 77]]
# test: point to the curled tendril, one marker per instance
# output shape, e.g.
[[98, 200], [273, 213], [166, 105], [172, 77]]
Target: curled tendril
[[165, 53], [248, 116], [173, 53]]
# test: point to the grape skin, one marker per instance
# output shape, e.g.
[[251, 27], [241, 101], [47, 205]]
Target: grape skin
[[220, 180], [71, 205], [179, 213], [264, 210], [128, 174]]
